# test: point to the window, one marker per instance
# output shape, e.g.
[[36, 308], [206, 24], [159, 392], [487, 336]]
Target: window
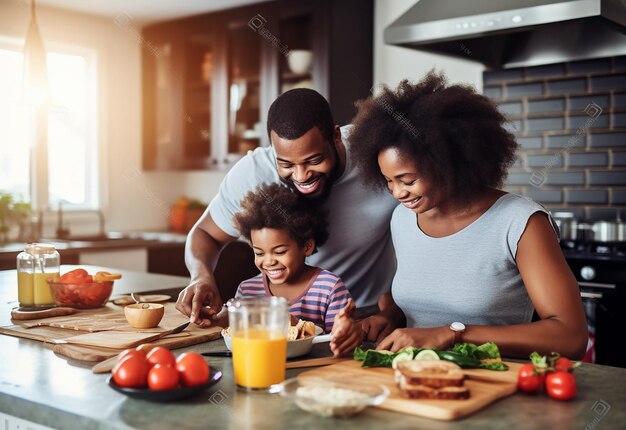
[[71, 151]]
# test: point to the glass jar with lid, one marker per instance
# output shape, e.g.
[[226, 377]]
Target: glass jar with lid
[[35, 265]]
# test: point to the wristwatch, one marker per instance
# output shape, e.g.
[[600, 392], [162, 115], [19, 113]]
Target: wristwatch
[[458, 328]]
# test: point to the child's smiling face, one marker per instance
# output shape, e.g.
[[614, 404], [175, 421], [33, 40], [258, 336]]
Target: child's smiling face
[[278, 255]]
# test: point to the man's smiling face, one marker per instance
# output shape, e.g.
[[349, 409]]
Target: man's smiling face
[[309, 163]]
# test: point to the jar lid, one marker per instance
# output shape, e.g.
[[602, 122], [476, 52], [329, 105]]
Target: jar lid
[[39, 248]]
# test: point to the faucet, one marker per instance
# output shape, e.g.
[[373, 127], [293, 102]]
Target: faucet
[[61, 232]]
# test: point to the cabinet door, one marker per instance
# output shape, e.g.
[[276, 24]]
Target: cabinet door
[[177, 83]]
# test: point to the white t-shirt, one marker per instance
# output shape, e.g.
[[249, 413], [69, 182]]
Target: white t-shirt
[[359, 247]]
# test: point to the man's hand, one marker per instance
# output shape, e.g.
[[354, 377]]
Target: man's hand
[[377, 327], [346, 333], [436, 337], [200, 301]]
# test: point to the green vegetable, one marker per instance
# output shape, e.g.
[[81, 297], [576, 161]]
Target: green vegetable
[[375, 358], [465, 349], [494, 365], [359, 354], [413, 350], [403, 355], [460, 359], [487, 350]]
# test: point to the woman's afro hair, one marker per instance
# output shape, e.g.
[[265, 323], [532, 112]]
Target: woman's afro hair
[[455, 136]]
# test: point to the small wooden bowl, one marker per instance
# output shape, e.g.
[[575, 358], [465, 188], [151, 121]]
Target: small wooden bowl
[[144, 315]]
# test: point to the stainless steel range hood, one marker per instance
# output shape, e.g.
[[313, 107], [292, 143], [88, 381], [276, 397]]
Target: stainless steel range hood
[[514, 33]]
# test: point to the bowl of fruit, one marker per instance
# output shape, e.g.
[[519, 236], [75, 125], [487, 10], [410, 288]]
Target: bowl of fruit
[[79, 289]]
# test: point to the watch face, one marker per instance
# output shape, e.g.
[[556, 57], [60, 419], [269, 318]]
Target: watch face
[[457, 326]]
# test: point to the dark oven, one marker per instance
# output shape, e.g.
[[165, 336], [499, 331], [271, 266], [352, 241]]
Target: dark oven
[[600, 269]]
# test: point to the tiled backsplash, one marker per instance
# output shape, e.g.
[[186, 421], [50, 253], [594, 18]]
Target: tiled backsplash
[[570, 122]]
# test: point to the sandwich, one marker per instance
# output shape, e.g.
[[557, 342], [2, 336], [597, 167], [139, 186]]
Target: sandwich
[[431, 379]]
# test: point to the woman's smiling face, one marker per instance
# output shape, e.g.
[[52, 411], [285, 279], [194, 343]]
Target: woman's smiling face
[[405, 183]]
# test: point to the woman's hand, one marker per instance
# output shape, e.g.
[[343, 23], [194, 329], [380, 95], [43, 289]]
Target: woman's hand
[[346, 333], [436, 337], [377, 327]]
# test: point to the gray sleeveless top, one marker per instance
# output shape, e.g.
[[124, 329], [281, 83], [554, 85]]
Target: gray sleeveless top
[[470, 276]]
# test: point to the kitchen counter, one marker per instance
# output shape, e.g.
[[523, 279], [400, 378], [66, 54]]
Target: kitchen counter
[[39, 386]]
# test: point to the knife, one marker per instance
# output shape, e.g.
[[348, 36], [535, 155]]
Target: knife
[[106, 365], [217, 354]]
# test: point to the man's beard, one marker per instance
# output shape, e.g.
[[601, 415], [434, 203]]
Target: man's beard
[[329, 180]]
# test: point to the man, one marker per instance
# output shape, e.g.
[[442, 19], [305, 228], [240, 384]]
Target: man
[[309, 153]]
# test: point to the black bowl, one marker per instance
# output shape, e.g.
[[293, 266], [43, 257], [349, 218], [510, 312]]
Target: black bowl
[[166, 395]]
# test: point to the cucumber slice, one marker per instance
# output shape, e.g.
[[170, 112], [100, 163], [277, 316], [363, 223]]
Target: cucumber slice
[[427, 354], [402, 356]]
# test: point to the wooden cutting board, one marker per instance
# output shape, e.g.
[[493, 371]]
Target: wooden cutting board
[[485, 388], [195, 336], [88, 341]]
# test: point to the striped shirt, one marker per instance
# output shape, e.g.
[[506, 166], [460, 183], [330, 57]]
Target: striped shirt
[[324, 296]]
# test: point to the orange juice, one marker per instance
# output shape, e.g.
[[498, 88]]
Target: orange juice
[[259, 358]]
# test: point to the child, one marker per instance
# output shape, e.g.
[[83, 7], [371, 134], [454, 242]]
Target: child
[[283, 230]]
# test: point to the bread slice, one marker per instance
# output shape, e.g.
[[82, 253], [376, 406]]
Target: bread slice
[[308, 329], [431, 373], [425, 392]]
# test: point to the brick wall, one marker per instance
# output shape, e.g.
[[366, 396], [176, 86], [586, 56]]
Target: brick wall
[[570, 122]]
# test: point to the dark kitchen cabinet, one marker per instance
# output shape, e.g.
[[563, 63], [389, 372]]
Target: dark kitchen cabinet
[[209, 80]]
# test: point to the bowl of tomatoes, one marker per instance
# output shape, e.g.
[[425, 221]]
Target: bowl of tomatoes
[[159, 376], [79, 289]]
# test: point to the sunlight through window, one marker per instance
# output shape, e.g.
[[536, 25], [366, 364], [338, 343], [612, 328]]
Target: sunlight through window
[[72, 161]]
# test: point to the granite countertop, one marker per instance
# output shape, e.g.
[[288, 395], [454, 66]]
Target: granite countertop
[[39, 386]]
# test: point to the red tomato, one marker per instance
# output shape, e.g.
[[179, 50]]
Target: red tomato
[[131, 372], [192, 368], [563, 364], [130, 353], [528, 379], [162, 377], [160, 355], [561, 385]]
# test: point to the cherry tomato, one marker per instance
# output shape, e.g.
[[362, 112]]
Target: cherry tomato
[[561, 385], [160, 355], [192, 368], [162, 377], [130, 353], [131, 372], [528, 379], [563, 364], [145, 347]]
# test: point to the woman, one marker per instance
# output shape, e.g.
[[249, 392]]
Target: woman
[[473, 261]]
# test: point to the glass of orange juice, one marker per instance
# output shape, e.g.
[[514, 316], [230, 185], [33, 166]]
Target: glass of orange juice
[[258, 327]]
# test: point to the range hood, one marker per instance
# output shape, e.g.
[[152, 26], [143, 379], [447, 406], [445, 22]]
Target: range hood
[[514, 33]]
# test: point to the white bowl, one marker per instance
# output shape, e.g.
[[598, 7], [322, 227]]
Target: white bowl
[[295, 348], [300, 60]]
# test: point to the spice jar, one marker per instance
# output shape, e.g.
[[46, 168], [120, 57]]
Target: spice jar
[[35, 265]]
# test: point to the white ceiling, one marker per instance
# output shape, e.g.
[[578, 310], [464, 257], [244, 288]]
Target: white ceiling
[[146, 11]]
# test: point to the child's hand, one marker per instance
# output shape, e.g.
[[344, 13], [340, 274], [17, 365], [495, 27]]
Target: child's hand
[[346, 333]]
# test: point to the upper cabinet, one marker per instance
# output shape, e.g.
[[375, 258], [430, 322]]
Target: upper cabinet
[[208, 81]]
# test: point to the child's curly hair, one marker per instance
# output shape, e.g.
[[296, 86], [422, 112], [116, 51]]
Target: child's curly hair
[[454, 135], [276, 206]]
